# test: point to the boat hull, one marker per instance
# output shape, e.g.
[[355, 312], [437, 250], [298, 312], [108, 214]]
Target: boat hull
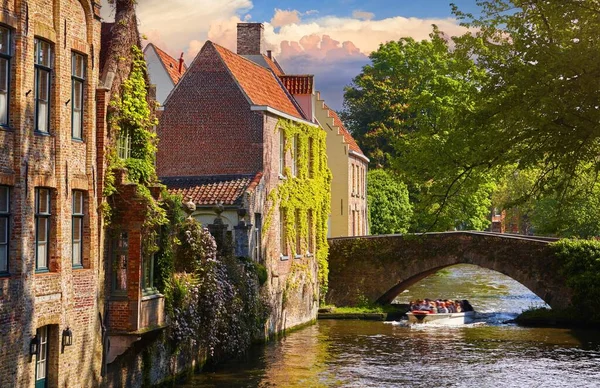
[[441, 318]]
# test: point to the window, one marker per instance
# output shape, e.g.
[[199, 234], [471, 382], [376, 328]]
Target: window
[[311, 233], [311, 167], [353, 179], [124, 145], [42, 228], [281, 153], [257, 236], [148, 274], [120, 257], [296, 155], [5, 59], [43, 69], [283, 248], [4, 227], [77, 87], [77, 232], [41, 359], [298, 235]]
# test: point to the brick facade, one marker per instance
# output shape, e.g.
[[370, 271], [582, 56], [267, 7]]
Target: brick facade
[[65, 296]]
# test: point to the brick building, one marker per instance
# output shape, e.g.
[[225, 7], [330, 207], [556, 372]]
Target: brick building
[[50, 267], [221, 147]]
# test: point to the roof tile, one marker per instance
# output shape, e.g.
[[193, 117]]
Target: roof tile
[[171, 64], [259, 83], [298, 84], [210, 190]]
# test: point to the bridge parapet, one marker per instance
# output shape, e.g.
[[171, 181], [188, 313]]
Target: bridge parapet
[[378, 268]]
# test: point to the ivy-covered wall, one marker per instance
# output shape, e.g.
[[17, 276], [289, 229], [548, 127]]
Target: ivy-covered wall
[[299, 280]]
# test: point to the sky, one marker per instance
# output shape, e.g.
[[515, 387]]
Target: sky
[[328, 38]]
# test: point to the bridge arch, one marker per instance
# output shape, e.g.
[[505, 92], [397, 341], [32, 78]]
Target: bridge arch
[[378, 268]]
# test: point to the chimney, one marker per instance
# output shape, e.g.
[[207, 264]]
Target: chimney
[[250, 40], [180, 63], [270, 54]]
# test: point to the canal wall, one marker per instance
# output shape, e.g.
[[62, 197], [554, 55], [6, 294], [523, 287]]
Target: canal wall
[[152, 361]]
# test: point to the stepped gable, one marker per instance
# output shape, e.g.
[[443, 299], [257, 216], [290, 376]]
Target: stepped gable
[[171, 64], [260, 85], [343, 131], [210, 190]]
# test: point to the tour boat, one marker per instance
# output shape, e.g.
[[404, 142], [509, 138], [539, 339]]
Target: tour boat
[[440, 318]]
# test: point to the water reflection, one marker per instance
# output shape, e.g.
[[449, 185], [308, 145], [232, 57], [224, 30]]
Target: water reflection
[[377, 354]]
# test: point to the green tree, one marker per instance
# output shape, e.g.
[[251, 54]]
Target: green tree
[[539, 107], [412, 111], [390, 210]]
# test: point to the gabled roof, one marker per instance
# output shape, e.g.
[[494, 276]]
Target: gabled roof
[[264, 61], [298, 84], [171, 64], [214, 189], [261, 85], [343, 131]]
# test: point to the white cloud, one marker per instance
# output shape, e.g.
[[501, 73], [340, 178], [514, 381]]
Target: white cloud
[[362, 15], [283, 17]]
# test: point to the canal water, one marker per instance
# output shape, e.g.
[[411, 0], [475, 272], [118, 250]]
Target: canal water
[[487, 353]]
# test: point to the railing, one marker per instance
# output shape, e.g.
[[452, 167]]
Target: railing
[[468, 232]]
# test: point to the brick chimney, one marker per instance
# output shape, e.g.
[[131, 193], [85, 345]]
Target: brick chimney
[[250, 39]]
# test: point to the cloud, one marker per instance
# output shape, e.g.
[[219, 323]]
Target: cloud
[[282, 18], [362, 15]]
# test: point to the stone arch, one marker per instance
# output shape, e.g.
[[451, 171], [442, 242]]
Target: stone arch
[[380, 267]]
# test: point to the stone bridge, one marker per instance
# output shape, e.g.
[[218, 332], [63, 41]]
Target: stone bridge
[[381, 267]]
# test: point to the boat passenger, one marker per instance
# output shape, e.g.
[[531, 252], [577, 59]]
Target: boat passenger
[[466, 305], [443, 309]]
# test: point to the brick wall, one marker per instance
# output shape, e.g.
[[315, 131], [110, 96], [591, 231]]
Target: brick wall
[[209, 105], [64, 297]]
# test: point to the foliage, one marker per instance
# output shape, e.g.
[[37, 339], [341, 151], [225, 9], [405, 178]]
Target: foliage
[[217, 305], [411, 110], [305, 192], [539, 107], [580, 265], [390, 210]]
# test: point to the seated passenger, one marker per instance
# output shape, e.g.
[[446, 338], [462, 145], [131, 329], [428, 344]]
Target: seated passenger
[[466, 305]]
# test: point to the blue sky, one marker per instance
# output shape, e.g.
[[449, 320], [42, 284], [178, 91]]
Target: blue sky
[[330, 39]]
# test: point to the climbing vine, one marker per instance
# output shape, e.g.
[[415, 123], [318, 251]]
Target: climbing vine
[[308, 191]]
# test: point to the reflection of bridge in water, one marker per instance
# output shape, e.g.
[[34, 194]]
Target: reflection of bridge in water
[[379, 268]]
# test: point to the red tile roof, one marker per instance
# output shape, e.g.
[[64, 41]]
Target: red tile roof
[[343, 131], [210, 190], [259, 83], [171, 64], [273, 65], [298, 84]]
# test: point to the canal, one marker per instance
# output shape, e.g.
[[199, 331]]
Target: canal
[[487, 353]]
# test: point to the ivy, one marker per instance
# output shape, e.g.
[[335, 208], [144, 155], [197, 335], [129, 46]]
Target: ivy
[[307, 191]]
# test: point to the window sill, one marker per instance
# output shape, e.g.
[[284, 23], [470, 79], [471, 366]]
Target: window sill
[[149, 295], [4, 275], [42, 134], [76, 140], [298, 256], [41, 271], [77, 266], [284, 258], [6, 128], [118, 297], [282, 177], [308, 254]]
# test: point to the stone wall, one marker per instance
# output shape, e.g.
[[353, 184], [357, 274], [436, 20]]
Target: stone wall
[[378, 268]]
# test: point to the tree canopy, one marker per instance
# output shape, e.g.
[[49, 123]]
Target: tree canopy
[[390, 210], [519, 92]]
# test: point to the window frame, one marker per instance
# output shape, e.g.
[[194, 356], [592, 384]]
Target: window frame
[[46, 217], [39, 68], [283, 243], [295, 155], [118, 248], [149, 288], [5, 218], [77, 215], [7, 56], [78, 79], [298, 253], [281, 153]]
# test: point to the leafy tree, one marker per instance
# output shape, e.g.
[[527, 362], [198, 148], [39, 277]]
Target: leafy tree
[[390, 210], [539, 107]]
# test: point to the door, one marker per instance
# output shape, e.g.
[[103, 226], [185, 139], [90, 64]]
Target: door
[[41, 361]]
